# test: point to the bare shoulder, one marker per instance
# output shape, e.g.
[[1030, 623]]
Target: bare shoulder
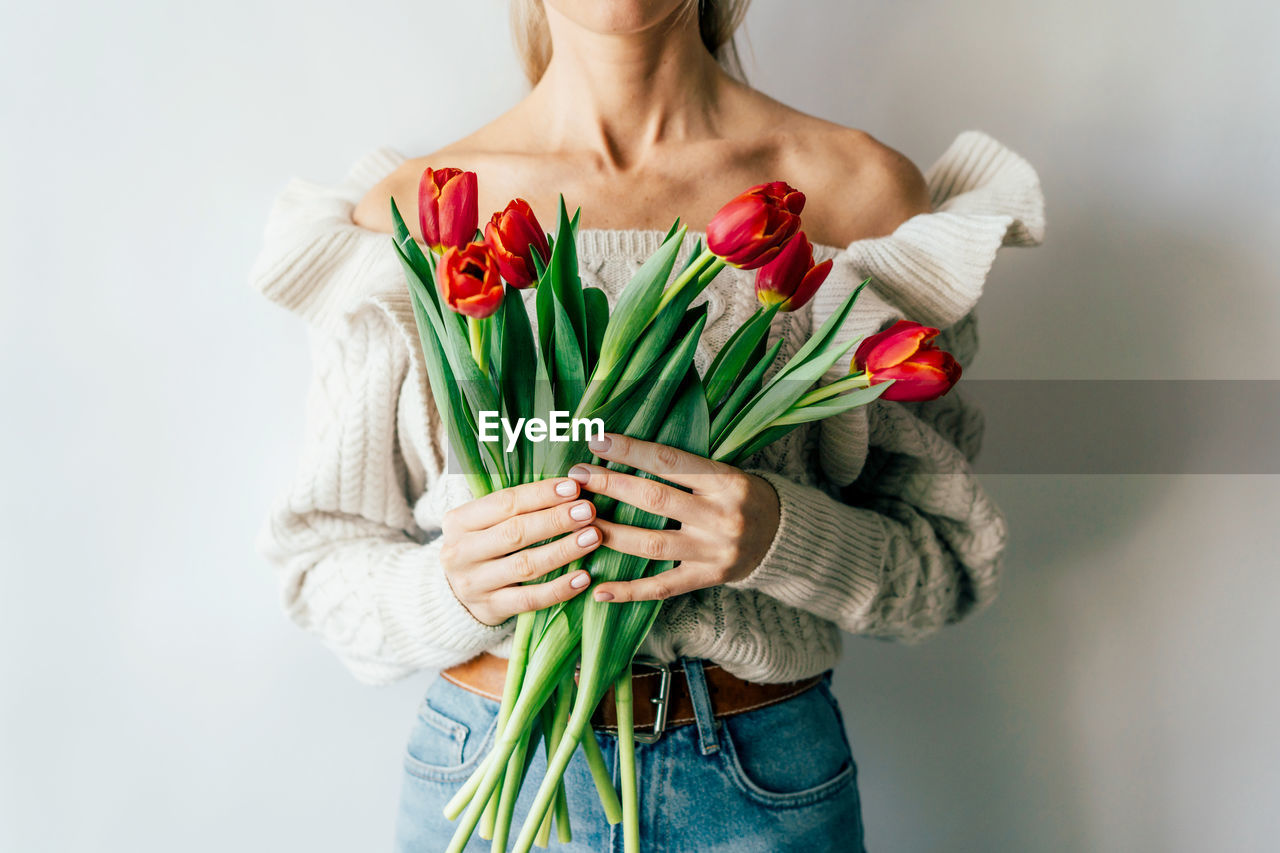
[[374, 210], [857, 186], [862, 188], [488, 151]]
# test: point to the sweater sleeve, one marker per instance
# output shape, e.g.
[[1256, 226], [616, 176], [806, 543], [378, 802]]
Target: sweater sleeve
[[898, 537], [356, 567], [913, 544], [355, 535]]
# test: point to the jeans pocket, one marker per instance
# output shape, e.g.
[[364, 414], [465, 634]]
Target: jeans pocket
[[791, 754], [452, 732]]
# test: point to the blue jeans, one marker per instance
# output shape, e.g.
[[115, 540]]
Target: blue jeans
[[774, 779]]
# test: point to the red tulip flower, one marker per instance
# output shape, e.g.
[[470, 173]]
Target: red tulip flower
[[905, 352], [791, 278], [469, 280], [514, 237], [750, 230], [447, 208]]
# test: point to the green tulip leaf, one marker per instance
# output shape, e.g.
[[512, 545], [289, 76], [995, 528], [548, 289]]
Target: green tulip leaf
[[597, 306], [746, 388], [734, 358]]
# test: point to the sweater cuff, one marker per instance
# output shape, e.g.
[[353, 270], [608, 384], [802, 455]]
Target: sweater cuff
[[426, 610], [823, 551]]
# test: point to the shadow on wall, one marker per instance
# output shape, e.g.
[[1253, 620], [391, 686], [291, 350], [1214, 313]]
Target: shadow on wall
[[974, 740], [1128, 288], [964, 742]]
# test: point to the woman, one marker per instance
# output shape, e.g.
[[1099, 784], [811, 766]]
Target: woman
[[848, 525]]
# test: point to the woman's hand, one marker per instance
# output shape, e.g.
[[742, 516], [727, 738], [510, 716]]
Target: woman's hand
[[727, 522], [486, 555]]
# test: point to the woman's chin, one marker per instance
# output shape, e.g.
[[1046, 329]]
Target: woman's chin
[[617, 17]]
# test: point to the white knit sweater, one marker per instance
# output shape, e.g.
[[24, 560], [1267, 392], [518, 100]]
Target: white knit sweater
[[884, 530]]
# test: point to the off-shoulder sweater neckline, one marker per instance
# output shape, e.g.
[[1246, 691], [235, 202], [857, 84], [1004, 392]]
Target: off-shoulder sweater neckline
[[317, 262], [640, 243], [598, 243]]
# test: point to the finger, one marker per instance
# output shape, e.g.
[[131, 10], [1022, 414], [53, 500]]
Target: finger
[[532, 563], [483, 513], [650, 544], [511, 600], [669, 463], [641, 492], [521, 531], [685, 577]]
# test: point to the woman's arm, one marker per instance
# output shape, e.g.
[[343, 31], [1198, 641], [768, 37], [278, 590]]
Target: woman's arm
[[918, 545], [913, 544], [355, 566], [388, 594]]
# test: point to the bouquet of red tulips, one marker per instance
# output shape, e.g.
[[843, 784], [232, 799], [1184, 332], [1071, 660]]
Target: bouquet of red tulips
[[628, 369]]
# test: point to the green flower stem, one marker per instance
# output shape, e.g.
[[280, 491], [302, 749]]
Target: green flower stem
[[606, 373], [478, 484], [698, 274], [627, 762], [515, 676], [849, 383], [564, 830], [543, 838], [578, 723], [712, 270], [479, 334], [495, 800], [548, 725], [494, 771], [558, 719], [546, 667], [601, 776], [691, 273], [510, 791], [464, 795], [590, 691], [561, 720]]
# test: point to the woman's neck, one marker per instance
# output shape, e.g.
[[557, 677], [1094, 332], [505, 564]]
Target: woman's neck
[[621, 96]]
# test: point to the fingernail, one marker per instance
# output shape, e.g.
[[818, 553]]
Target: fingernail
[[588, 537], [601, 595], [580, 474], [566, 489], [599, 445], [580, 512], [580, 580]]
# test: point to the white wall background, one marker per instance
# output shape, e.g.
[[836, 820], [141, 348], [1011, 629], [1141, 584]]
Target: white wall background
[[1122, 695]]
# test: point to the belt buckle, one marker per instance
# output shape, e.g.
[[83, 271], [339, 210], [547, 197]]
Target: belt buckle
[[662, 700]]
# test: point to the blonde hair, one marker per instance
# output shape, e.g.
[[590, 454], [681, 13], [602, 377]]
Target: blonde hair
[[718, 21]]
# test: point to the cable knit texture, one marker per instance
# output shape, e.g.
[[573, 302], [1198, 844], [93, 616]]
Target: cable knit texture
[[884, 529]]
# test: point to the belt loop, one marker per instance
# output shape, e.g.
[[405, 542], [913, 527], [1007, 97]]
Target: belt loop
[[701, 698]]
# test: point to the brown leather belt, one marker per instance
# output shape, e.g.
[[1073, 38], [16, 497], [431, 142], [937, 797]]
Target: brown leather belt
[[660, 692]]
